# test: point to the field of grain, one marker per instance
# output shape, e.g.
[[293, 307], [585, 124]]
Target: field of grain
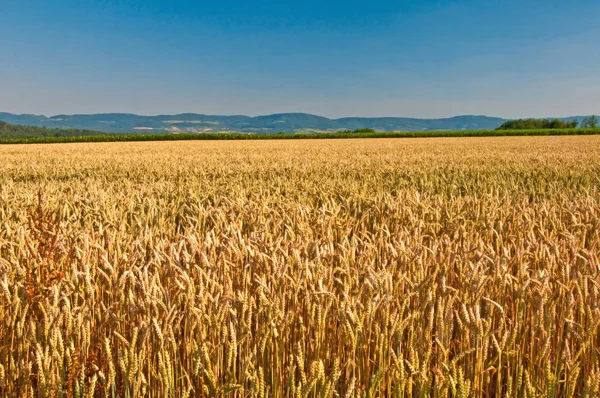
[[463, 267]]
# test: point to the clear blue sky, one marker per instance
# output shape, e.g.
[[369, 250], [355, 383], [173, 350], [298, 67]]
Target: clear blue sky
[[509, 58]]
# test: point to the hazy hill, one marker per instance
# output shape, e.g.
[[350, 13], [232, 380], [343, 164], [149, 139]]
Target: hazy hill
[[288, 122]]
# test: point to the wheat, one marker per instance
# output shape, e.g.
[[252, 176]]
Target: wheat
[[439, 267]]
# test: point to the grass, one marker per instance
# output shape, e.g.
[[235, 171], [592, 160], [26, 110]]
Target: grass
[[242, 136], [358, 268]]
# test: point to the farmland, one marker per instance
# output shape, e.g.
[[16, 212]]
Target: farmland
[[71, 136], [464, 267]]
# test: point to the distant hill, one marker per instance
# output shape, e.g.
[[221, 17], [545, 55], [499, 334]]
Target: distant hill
[[8, 131], [287, 122]]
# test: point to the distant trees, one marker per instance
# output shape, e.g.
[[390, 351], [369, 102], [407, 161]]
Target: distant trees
[[589, 122], [8, 131], [364, 131], [358, 131], [537, 124]]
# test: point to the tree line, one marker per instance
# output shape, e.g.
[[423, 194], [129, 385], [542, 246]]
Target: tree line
[[541, 124], [17, 131]]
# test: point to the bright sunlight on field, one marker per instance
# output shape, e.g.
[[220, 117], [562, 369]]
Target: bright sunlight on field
[[464, 267]]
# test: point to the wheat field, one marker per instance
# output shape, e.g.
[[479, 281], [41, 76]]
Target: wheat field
[[451, 267]]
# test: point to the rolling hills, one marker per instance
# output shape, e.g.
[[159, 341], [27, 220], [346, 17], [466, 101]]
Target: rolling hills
[[287, 122], [283, 122]]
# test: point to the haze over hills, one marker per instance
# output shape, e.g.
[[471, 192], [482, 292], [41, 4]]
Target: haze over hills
[[286, 122]]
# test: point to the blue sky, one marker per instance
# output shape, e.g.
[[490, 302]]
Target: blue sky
[[507, 58]]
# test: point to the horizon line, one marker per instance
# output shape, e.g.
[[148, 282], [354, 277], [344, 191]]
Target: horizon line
[[287, 113]]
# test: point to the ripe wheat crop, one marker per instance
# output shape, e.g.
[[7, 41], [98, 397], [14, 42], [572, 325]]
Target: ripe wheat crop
[[462, 267]]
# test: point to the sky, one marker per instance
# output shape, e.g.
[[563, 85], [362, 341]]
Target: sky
[[506, 58]]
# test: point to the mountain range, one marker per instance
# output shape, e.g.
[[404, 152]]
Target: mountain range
[[283, 122]]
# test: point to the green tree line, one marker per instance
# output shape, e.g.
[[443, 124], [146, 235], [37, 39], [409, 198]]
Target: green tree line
[[541, 124], [357, 131], [537, 124], [589, 122], [13, 131]]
